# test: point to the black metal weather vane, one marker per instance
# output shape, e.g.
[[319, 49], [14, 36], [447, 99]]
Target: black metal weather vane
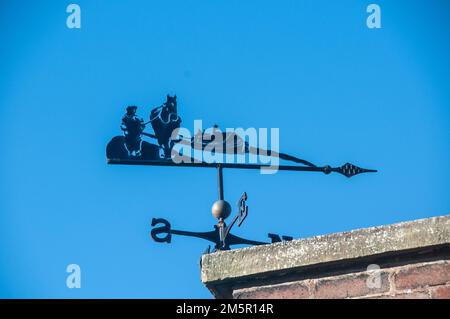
[[222, 238], [132, 149]]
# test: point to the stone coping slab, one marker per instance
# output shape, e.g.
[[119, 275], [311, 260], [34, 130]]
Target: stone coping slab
[[360, 243]]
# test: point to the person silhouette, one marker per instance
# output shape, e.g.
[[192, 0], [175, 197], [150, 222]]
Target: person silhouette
[[132, 127]]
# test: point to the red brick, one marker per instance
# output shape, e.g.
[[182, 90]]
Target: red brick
[[347, 286], [442, 292], [414, 276], [411, 295], [296, 290]]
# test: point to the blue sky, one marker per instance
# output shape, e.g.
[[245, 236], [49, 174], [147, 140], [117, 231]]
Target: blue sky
[[337, 91]]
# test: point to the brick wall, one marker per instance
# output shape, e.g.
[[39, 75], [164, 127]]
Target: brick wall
[[415, 281], [405, 260]]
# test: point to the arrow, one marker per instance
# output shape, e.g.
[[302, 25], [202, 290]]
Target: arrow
[[347, 169]]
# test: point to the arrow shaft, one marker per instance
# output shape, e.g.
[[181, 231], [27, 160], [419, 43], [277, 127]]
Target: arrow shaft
[[211, 235], [323, 169], [213, 165], [236, 240]]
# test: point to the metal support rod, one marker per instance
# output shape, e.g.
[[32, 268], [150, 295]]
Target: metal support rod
[[220, 180]]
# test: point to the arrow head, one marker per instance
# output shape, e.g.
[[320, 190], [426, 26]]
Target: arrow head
[[350, 170]]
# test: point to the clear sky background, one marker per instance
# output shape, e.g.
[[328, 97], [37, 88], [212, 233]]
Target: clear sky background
[[337, 90]]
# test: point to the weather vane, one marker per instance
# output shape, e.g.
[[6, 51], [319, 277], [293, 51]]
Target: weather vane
[[131, 149]]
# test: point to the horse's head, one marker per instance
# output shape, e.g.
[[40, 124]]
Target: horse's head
[[171, 103]]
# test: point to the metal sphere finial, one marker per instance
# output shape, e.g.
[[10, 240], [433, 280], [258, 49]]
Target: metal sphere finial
[[221, 209]]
